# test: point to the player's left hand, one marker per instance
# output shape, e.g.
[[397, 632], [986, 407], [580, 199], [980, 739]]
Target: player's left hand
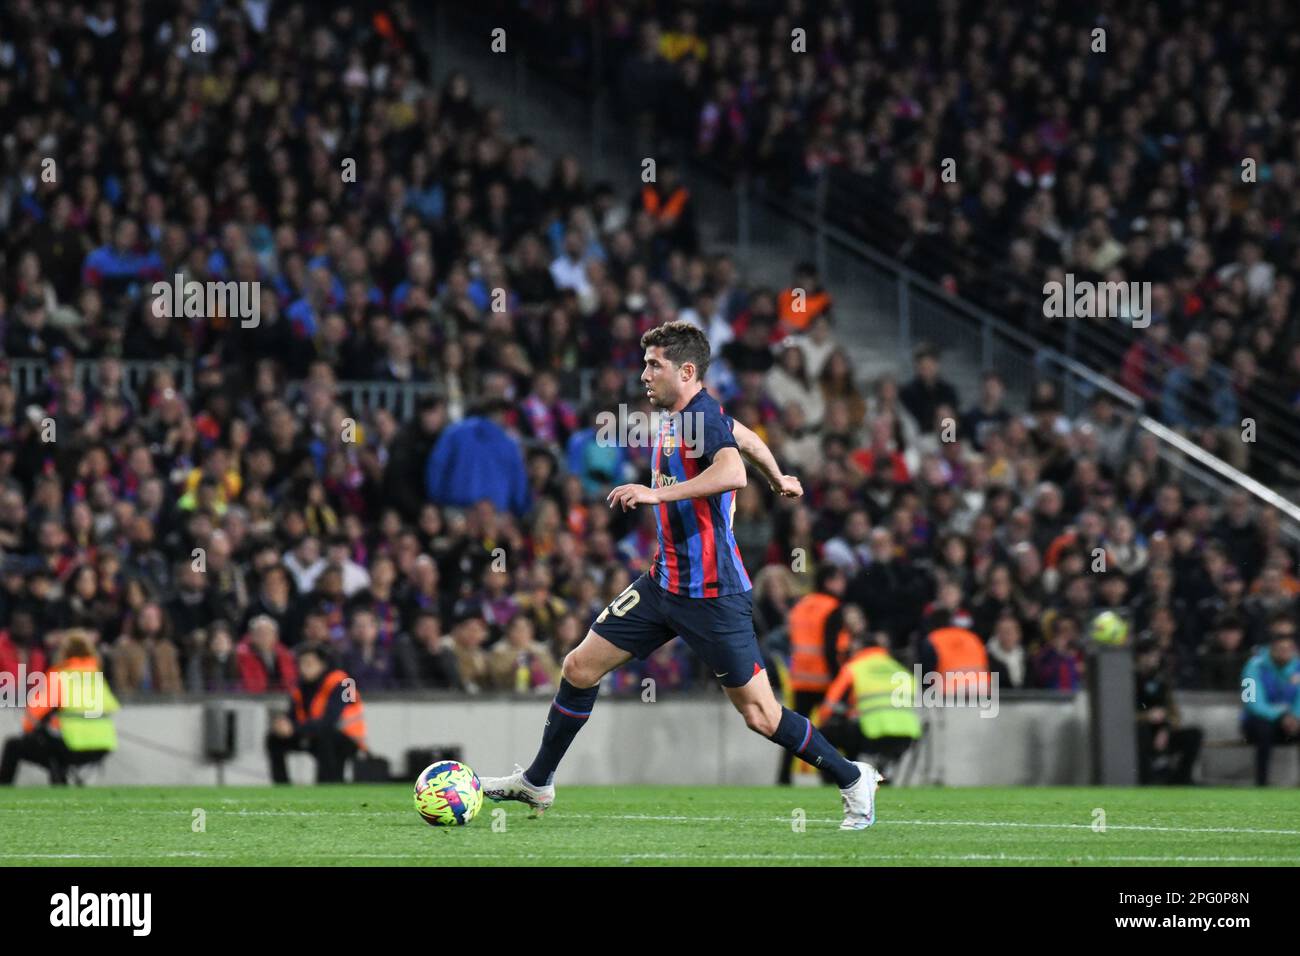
[[629, 496], [788, 487]]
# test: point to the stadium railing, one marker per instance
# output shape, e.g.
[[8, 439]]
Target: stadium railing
[[1210, 475], [400, 398], [28, 375], [925, 312]]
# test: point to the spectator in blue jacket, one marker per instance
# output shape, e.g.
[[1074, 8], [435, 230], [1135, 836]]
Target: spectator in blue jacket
[[114, 267], [476, 459], [597, 457], [1271, 690], [1199, 395]]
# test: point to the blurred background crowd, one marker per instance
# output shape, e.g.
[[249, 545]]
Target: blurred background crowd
[[214, 495], [1116, 142]]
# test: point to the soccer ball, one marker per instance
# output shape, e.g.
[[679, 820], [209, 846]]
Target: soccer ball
[[448, 794], [1109, 628]]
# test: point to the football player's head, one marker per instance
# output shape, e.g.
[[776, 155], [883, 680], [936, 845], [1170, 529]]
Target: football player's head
[[676, 358]]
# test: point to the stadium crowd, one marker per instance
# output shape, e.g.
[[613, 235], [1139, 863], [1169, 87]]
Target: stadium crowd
[[196, 537], [1109, 142]]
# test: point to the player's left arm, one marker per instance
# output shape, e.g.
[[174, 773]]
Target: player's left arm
[[756, 450]]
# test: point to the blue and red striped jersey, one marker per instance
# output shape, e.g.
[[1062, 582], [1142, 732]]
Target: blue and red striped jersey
[[698, 555]]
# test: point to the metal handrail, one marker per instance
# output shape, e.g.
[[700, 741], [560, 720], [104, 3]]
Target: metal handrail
[[1184, 447], [1115, 343], [911, 281]]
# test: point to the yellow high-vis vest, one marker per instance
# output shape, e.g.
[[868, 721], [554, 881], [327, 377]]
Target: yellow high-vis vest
[[884, 694]]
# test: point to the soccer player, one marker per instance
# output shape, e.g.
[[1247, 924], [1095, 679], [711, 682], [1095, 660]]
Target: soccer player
[[697, 586]]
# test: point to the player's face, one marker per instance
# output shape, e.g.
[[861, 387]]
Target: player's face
[[662, 379]]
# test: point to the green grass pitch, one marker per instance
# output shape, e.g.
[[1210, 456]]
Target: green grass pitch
[[356, 825]]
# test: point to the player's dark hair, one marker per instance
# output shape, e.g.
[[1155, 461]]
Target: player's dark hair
[[682, 342]]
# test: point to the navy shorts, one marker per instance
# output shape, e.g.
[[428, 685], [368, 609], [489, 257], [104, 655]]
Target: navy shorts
[[718, 629]]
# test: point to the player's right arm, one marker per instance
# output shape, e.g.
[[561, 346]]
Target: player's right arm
[[756, 451]]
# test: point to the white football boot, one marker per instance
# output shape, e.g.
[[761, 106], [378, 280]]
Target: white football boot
[[860, 799], [515, 787]]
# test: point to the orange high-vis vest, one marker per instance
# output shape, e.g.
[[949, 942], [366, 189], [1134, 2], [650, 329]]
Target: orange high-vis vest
[[353, 719], [959, 652], [664, 211], [807, 625], [34, 713], [813, 306]]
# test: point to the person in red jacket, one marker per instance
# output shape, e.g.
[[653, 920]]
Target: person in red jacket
[[9, 654], [265, 664], [18, 644]]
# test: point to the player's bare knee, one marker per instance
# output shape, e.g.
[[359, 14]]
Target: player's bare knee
[[576, 674], [759, 720]]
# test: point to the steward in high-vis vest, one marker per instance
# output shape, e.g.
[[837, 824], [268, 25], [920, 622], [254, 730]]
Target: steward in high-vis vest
[[875, 698], [668, 202], [798, 305], [66, 722], [955, 653], [818, 640], [326, 718]]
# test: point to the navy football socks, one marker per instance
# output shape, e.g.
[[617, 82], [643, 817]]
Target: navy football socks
[[569, 711], [797, 734]]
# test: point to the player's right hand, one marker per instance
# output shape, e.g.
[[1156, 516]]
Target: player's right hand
[[629, 496]]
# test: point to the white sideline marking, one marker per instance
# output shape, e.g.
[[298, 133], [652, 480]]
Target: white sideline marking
[[690, 819], [948, 823], [1088, 826]]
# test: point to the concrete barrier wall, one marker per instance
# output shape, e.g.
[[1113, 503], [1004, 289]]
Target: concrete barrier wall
[[685, 741]]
